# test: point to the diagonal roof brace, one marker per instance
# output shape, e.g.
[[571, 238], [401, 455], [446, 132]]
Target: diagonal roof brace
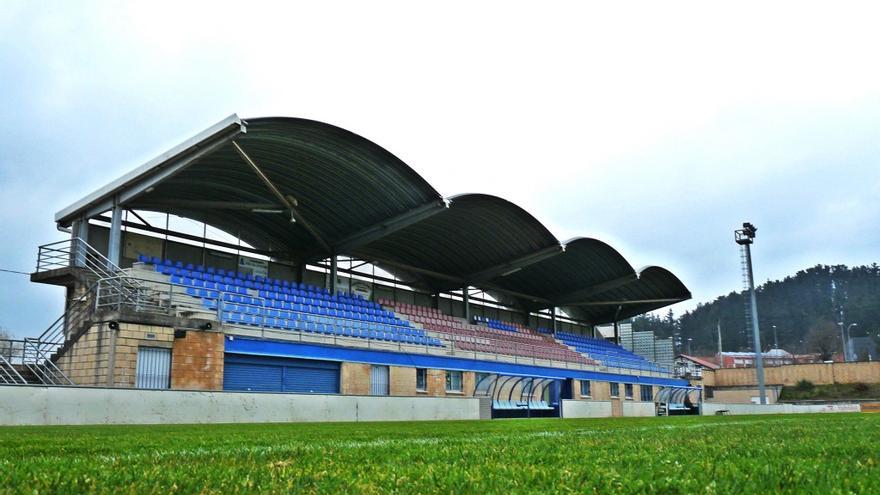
[[452, 278], [391, 225], [625, 302], [513, 266], [287, 201], [210, 205], [581, 294]]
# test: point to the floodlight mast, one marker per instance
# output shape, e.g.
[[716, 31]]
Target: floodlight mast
[[745, 237]]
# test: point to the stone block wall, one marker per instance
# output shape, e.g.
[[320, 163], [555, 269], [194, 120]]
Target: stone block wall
[[436, 383], [355, 378], [197, 361], [108, 358], [130, 338], [402, 380], [819, 374], [87, 361]]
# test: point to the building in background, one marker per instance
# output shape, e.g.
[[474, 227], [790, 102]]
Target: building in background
[[773, 357], [692, 367]]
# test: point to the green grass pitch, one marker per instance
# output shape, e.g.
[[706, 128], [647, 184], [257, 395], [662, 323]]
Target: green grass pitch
[[831, 453]]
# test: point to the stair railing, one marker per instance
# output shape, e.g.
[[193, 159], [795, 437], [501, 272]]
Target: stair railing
[[75, 252], [42, 366], [8, 373]]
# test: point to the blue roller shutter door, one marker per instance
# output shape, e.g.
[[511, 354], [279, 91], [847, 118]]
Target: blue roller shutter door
[[252, 377], [268, 374]]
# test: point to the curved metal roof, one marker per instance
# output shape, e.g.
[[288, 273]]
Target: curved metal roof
[[338, 183], [475, 237], [586, 267], [303, 190], [655, 288]]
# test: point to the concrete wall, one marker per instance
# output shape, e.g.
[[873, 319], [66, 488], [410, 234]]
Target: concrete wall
[[744, 395], [640, 409], [737, 409], [586, 409], [819, 374], [32, 405]]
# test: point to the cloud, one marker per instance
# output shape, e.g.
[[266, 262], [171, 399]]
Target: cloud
[[658, 128]]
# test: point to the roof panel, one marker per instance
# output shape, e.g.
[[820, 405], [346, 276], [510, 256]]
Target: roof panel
[[476, 232], [342, 182], [584, 265], [356, 194]]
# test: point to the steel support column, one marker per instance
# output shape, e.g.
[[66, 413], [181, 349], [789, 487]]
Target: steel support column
[[114, 243], [553, 319], [467, 303], [756, 333], [80, 237], [301, 273], [334, 270]]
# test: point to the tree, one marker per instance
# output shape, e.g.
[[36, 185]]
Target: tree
[[6, 344], [793, 305], [823, 339]]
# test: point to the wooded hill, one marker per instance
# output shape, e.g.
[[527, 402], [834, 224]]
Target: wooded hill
[[805, 308]]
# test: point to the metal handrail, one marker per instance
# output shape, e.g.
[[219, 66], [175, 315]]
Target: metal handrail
[[9, 374], [43, 367], [169, 298], [75, 252], [29, 353], [618, 365]]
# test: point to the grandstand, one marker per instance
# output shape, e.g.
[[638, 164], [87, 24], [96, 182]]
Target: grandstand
[[473, 297]]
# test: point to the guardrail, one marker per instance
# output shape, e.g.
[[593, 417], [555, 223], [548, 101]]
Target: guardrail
[[33, 355], [158, 297]]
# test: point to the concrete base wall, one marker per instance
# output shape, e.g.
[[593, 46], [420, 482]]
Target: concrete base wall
[[32, 405], [586, 409], [744, 395], [737, 409], [640, 409]]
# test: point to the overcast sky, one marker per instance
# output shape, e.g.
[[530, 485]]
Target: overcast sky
[[658, 129]]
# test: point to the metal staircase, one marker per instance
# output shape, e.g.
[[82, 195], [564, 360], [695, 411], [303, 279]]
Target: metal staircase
[[32, 360]]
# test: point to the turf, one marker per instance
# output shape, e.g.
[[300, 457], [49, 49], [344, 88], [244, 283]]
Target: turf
[[832, 453]]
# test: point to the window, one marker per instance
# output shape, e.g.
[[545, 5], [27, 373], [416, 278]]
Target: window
[[153, 368], [482, 383], [379, 380], [453, 381], [647, 393], [628, 390], [615, 390], [585, 388], [421, 379]]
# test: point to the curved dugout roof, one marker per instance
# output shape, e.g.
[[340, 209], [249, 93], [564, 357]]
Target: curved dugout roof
[[302, 190]]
